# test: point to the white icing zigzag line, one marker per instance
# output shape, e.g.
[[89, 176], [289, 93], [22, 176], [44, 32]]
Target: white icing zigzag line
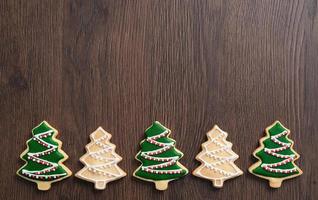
[[221, 160], [168, 161], [35, 157], [221, 171], [288, 158]]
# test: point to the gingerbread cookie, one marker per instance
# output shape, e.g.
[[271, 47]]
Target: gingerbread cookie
[[276, 156], [100, 161], [159, 158], [217, 159], [44, 158]]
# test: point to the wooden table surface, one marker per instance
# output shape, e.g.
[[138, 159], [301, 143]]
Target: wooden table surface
[[189, 64]]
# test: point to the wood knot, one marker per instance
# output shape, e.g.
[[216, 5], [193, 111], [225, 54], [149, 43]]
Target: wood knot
[[17, 81]]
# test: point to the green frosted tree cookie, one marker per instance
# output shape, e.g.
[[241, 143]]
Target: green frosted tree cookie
[[276, 156], [44, 158], [159, 158]]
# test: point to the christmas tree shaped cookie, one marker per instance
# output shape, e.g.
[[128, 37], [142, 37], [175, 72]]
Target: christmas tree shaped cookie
[[276, 156], [100, 161], [217, 159], [44, 158], [159, 158]]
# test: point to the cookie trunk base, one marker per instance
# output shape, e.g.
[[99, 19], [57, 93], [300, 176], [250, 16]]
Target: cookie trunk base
[[43, 186], [100, 185], [217, 183], [161, 185], [275, 183]]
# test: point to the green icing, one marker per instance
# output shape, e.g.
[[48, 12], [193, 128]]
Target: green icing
[[35, 147], [267, 158], [154, 130]]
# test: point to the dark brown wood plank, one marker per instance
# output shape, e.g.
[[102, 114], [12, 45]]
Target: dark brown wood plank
[[188, 64]]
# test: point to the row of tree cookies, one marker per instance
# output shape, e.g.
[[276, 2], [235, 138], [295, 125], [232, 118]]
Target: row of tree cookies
[[44, 158]]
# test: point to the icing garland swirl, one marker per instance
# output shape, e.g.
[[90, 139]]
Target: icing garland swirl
[[287, 158], [221, 159], [97, 155], [168, 161], [39, 174]]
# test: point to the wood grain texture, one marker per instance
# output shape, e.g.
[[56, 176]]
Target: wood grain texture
[[189, 64]]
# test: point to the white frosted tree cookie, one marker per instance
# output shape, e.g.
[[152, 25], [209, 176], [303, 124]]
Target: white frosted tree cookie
[[217, 159], [100, 161]]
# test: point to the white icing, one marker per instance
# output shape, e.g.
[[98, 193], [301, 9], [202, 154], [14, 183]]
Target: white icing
[[218, 161], [105, 146], [109, 162]]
